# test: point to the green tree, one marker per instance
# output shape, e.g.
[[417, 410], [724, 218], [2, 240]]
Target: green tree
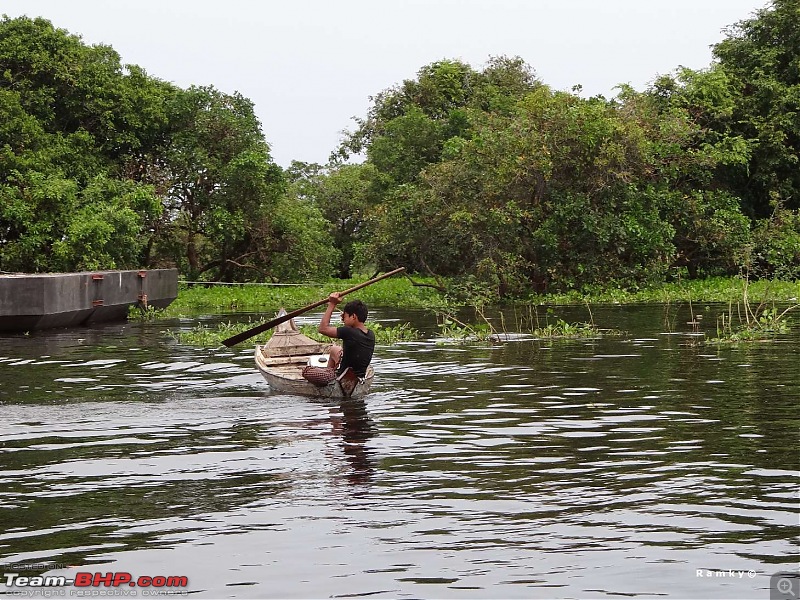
[[104, 166], [345, 195], [408, 144], [408, 126], [558, 193], [688, 118], [759, 56], [70, 119], [304, 248], [103, 230], [69, 87], [775, 250], [222, 186]]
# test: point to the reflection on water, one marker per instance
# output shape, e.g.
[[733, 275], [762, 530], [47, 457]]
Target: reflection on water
[[643, 465]]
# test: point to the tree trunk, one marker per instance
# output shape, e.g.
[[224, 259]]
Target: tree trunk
[[191, 255]]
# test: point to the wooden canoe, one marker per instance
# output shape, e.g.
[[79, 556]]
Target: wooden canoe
[[282, 359]]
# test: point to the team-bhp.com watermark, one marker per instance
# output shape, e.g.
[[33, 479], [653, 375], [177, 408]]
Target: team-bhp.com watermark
[[85, 584]]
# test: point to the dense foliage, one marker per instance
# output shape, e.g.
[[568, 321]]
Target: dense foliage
[[695, 176], [103, 166], [487, 180]]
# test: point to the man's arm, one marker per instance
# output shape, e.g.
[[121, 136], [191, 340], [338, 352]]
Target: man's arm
[[325, 327]]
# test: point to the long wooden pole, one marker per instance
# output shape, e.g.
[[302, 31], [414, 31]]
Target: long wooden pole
[[240, 337]]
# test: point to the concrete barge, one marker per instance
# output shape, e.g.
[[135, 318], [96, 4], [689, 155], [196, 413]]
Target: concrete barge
[[46, 300]]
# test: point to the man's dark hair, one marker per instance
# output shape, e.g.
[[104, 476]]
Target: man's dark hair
[[357, 308]]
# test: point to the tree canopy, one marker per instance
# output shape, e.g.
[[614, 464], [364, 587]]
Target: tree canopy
[[492, 175], [104, 166], [486, 176]]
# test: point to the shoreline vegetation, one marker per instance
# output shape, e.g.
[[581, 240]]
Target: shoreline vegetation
[[757, 310], [421, 293]]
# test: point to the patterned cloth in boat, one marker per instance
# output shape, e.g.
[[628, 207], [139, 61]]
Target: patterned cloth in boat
[[319, 376]]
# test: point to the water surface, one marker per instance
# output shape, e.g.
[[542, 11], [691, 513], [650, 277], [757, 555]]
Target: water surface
[[642, 465]]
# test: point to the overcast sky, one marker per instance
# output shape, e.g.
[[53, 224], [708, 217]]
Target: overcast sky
[[310, 66]]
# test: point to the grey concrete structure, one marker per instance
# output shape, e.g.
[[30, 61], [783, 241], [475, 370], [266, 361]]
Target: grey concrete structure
[[45, 300]]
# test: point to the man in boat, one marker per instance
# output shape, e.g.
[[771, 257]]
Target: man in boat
[[358, 342]]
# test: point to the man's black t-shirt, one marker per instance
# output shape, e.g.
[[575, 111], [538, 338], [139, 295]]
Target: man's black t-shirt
[[358, 348]]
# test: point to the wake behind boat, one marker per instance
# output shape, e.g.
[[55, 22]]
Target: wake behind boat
[[282, 359]]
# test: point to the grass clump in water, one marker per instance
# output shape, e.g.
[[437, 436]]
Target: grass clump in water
[[144, 314], [750, 322], [759, 325], [384, 334], [204, 336], [454, 330], [562, 329]]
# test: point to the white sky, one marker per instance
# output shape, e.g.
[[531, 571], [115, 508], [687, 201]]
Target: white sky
[[309, 66]]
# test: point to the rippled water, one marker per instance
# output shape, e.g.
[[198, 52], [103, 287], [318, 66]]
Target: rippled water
[[641, 465]]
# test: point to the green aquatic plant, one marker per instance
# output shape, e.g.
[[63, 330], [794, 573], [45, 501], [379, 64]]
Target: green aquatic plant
[[205, 336], [395, 291], [451, 329], [401, 292], [562, 329], [391, 334], [200, 336], [527, 321], [752, 322], [384, 334], [454, 329], [755, 326], [711, 289], [144, 314]]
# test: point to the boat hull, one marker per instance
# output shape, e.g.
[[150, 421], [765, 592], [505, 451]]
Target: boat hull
[[284, 375]]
